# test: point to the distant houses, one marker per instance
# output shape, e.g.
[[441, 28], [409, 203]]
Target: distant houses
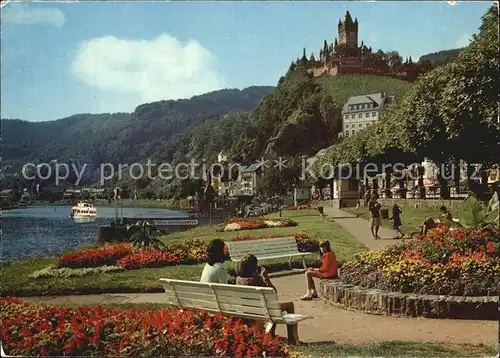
[[84, 193], [234, 180]]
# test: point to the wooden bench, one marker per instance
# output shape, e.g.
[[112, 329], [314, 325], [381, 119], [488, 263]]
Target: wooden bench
[[248, 302], [265, 249]]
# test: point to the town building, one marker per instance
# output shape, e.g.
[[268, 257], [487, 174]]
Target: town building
[[302, 194], [362, 111]]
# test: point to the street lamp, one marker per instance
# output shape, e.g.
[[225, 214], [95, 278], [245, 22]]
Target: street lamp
[[209, 196]]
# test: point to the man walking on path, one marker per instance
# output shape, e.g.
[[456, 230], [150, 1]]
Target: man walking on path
[[374, 208]]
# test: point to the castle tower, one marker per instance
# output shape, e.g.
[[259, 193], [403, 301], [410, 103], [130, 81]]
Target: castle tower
[[348, 33]]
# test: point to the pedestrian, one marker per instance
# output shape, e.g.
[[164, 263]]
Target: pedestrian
[[374, 208], [396, 217]]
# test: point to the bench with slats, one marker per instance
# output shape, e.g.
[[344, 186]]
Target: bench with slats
[[248, 302], [264, 249]]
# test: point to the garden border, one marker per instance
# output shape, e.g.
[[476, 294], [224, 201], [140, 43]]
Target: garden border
[[376, 301]]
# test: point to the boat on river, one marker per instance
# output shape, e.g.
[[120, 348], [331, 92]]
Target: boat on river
[[83, 212]]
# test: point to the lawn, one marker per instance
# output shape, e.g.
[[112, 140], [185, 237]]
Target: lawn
[[395, 349], [16, 280], [412, 218]]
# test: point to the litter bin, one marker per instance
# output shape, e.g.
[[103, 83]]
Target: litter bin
[[320, 210], [384, 213]]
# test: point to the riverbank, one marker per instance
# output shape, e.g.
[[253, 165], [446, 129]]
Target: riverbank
[[13, 207], [16, 280], [146, 204]]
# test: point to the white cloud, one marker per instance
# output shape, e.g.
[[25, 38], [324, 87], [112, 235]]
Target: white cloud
[[463, 41], [33, 16], [147, 70]]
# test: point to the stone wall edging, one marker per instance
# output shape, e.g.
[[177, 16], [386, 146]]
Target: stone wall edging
[[376, 301]]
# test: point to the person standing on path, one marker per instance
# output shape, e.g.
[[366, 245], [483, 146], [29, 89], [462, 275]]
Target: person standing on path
[[396, 217], [374, 208]]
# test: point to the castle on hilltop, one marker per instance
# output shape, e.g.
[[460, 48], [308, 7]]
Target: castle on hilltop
[[345, 56]]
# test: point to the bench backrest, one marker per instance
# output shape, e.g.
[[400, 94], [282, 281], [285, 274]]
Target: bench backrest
[[262, 247], [257, 303]]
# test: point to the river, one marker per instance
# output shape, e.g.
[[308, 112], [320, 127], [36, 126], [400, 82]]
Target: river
[[48, 230]]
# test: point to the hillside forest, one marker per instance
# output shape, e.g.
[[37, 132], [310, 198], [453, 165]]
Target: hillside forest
[[301, 116]]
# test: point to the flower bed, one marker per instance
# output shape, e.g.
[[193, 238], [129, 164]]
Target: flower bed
[[124, 257], [37, 329], [443, 262], [107, 255], [120, 257], [304, 242], [254, 223], [64, 272]]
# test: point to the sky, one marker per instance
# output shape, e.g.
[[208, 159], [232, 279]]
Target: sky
[[59, 59]]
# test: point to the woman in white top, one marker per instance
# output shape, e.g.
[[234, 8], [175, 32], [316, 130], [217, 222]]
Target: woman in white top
[[214, 270]]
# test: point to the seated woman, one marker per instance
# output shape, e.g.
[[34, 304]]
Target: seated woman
[[249, 276], [214, 270], [428, 224], [445, 214], [328, 269]]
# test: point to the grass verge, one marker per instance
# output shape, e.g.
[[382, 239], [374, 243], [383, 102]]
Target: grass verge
[[16, 280], [394, 349]]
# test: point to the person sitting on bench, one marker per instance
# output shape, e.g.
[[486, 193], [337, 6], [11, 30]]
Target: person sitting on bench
[[428, 224], [248, 275]]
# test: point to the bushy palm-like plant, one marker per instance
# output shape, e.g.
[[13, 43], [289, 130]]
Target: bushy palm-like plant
[[476, 216], [141, 235]]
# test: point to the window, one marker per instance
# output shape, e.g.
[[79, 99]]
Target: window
[[357, 106], [353, 132], [360, 125], [352, 108], [347, 125], [360, 115], [368, 105], [367, 114], [347, 133], [374, 114], [362, 106]]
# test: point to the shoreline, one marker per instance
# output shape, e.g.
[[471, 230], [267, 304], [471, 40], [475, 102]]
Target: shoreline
[[143, 204]]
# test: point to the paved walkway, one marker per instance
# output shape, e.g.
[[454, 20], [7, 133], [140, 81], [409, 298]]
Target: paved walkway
[[360, 228], [332, 324]]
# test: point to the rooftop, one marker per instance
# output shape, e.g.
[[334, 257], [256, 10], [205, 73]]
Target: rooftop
[[378, 100]]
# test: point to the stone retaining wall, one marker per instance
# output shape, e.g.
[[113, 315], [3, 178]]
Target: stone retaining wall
[[376, 301]]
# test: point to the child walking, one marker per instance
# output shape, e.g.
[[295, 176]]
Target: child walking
[[396, 216]]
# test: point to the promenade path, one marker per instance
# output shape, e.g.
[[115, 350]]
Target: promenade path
[[329, 323], [335, 324], [360, 228]]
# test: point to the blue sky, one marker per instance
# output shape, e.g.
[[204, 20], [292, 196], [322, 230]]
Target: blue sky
[[60, 59]]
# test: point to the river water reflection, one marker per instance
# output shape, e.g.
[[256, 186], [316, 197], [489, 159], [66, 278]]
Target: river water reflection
[[48, 230]]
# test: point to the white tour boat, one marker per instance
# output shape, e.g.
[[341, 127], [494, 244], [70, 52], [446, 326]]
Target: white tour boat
[[83, 212]]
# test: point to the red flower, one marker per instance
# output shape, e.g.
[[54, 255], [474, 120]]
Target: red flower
[[491, 247]]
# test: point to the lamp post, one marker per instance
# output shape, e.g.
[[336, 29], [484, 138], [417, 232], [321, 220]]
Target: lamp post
[[209, 197]]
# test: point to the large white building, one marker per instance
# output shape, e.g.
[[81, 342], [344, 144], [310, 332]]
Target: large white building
[[361, 111]]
